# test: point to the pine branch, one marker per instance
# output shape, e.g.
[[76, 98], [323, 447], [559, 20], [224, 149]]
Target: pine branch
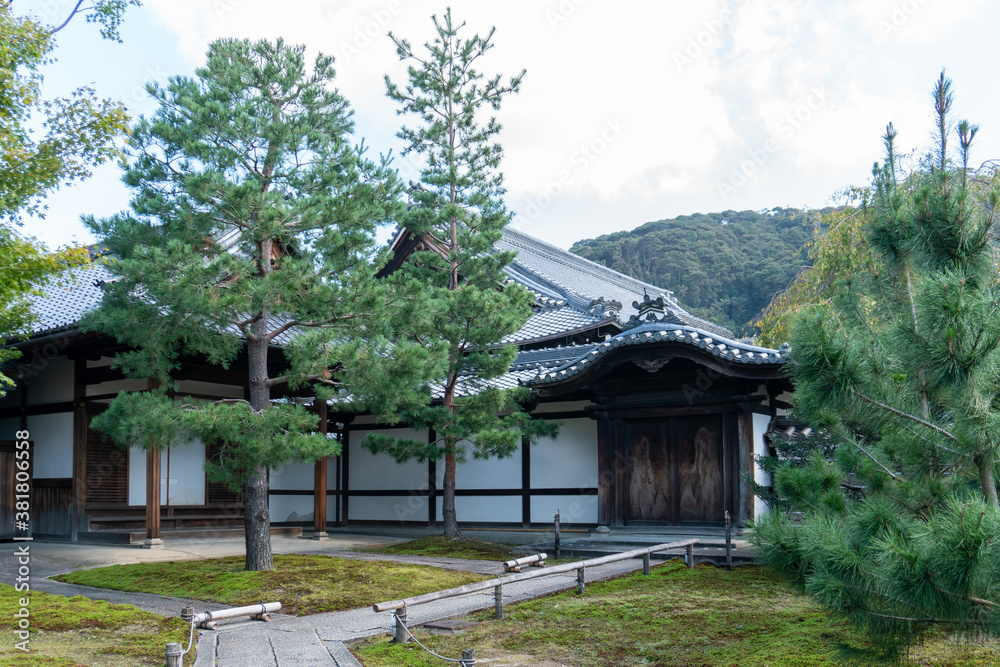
[[905, 415]]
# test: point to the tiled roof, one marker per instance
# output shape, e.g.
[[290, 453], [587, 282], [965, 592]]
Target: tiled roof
[[63, 302], [556, 273], [549, 322], [658, 331]]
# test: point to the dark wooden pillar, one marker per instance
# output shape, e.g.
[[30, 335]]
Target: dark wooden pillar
[[79, 486], [319, 486], [153, 537], [153, 497]]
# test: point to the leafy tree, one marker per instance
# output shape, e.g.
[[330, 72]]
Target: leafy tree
[[899, 368], [78, 134], [253, 224], [459, 209]]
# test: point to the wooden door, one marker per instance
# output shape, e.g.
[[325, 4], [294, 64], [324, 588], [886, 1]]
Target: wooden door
[[7, 470], [675, 471]]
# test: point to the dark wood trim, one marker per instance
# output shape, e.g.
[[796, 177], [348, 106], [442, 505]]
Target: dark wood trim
[[512, 492], [52, 482], [80, 423], [745, 446], [525, 481], [34, 410], [153, 463], [431, 482], [345, 482], [556, 416], [381, 427]]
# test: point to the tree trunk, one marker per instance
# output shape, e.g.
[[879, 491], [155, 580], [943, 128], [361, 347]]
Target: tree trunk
[[987, 479], [257, 521], [448, 513]]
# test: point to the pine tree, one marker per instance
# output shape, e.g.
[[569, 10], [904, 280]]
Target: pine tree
[[900, 369], [459, 210], [253, 222]]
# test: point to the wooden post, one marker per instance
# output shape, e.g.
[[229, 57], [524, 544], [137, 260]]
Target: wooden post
[[581, 579], [399, 626], [319, 486], [729, 542], [153, 538], [645, 564], [689, 555], [78, 501], [498, 600], [557, 534], [468, 657]]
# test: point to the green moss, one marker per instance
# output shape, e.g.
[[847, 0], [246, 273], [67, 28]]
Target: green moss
[[699, 618], [446, 547], [66, 632], [304, 584]]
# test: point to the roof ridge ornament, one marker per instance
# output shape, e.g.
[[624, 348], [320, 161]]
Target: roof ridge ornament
[[654, 310], [601, 308]]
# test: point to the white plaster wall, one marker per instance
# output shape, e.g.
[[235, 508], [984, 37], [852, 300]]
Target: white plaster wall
[[186, 474], [53, 384], [384, 508], [572, 509], [484, 473], [491, 509], [763, 478], [137, 477], [569, 460], [291, 508], [379, 471], [53, 449], [298, 476], [182, 475]]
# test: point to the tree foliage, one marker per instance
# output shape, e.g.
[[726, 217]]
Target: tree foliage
[[723, 267], [78, 134], [899, 367], [252, 225], [459, 209]]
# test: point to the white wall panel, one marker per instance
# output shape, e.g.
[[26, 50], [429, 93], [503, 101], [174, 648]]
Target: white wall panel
[[763, 478], [485, 473], [186, 474], [485, 509], [299, 476], [53, 450], [572, 509], [137, 476], [291, 508], [385, 508], [569, 460], [379, 471], [53, 384]]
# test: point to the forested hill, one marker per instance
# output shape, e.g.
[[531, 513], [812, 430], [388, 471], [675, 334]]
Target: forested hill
[[723, 267]]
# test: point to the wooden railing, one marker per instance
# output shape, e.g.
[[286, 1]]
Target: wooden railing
[[399, 607]]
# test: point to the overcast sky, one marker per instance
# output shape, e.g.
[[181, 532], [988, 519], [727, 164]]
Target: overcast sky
[[630, 111]]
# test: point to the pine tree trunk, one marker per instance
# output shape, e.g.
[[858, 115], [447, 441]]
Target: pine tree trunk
[[988, 480], [256, 519], [257, 522], [448, 513]]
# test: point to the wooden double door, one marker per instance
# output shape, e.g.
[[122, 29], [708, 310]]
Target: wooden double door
[[676, 471]]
